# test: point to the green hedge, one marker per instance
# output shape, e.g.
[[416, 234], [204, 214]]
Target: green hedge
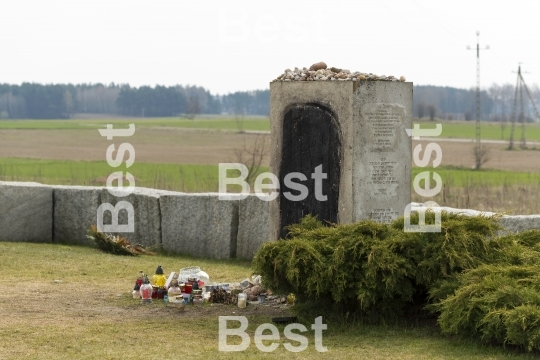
[[475, 282], [499, 300]]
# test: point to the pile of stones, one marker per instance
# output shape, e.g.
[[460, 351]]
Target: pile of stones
[[321, 72], [221, 296]]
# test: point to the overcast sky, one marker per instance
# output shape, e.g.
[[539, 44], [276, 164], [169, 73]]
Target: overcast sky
[[227, 46]]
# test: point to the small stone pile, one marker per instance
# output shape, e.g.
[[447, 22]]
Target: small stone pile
[[321, 72], [221, 296]]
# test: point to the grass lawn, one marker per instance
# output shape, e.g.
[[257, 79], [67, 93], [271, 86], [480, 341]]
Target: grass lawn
[[88, 313]]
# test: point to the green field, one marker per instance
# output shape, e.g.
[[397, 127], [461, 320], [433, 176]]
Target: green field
[[460, 177], [491, 131], [185, 178], [203, 178], [222, 123]]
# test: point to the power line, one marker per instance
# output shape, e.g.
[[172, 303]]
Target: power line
[[478, 147]]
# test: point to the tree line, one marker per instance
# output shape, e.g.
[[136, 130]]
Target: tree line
[[61, 101], [496, 103]]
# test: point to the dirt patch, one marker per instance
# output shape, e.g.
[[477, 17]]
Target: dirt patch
[[185, 146], [462, 155], [174, 146], [58, 303]]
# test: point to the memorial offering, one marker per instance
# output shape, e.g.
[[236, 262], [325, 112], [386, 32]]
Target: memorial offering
[[138, 283], [146, 291], [115, 244], [194, 292], [320, 72]]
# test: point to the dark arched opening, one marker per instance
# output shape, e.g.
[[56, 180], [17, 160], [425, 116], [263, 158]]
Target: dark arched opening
[[311, 137]]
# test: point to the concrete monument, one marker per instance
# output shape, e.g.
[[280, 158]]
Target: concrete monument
[[355, 130]]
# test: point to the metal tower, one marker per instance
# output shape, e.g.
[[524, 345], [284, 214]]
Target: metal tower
[[520, 84], [478, 145]]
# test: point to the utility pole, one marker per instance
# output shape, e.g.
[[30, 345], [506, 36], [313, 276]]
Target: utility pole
[[520, 84], [513, 125], [478, 146], [522, 113]]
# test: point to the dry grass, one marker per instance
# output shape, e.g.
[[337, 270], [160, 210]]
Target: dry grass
[[90, 315], [511, 199], [515, 198], [160, 146]]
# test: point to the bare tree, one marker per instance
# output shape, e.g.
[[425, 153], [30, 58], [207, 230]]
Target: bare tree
[[239, 119], [68, 103], [95, 98], [239, 113], [481, 156], [252, 155], [193, 107], [421, 109], [197, 101], [4, 106], [432, 111], [504, 123]]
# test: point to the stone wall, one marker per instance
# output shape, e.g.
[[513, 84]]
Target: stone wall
[[197, 224], [511, 223], [26, 212]]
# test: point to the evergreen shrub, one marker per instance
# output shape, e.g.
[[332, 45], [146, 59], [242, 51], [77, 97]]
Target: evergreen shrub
[[473, 280]]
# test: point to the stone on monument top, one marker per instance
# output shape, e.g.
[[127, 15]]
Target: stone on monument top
[[320, 72]]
